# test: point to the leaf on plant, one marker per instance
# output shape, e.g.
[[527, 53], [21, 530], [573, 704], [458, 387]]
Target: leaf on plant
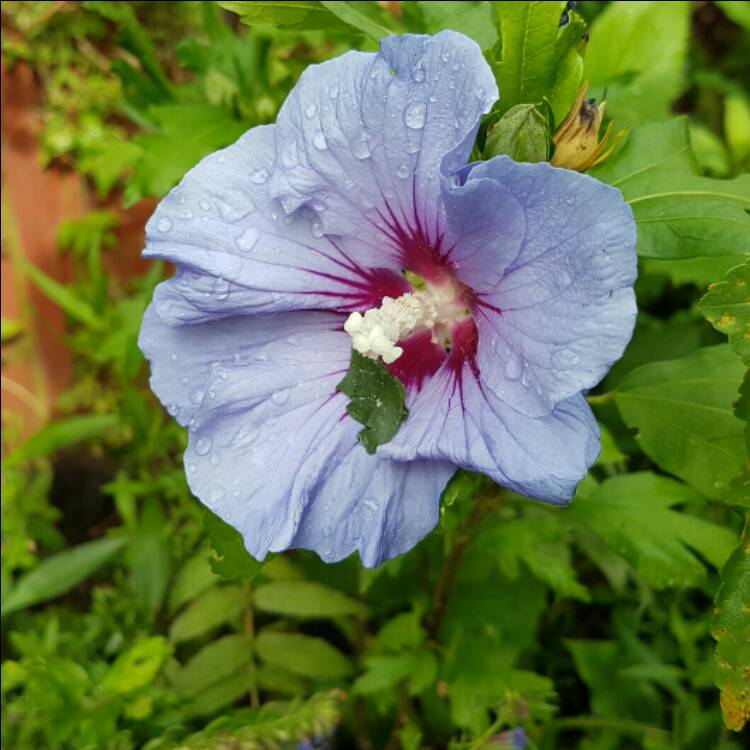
[[731, 629], [295, 15], [216, 661], [302, 654], [679, 214], [229, 558], [138, 666], [304, 599], [215, 607], [377, 400], [521, 133], [474, 19], [726, 306], [633, 514], [537, 58], [682, 409], [638, 52], [58, 574]]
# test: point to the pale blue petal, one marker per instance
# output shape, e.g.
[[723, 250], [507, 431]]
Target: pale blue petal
[[564, 308], [455, 418], [272, 449], [236, 250], [361, 138]]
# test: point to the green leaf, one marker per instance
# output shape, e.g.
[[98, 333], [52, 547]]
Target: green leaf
[[377, 400], [351, 16], [302, 654], [682, 409], [186, 133], [63, 297], [737, 12], [521, 133], [229, 558], [386, 672], [304, 599], [194, 577], [215, 607], [679, 214], [726, 306], [10, 329], [638, 51], [538, 59], [149, 556], [633, 514], [138, 666], [731, 629], [737, 126], [215, 662], [295, 15], [218, 696], [61, 434], [541, 542], [474, 19], [58, 574]]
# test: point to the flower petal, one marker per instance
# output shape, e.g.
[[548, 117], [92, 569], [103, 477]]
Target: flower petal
[[361, 138], [272, 449], [455, 418], [564, 309], [237, 252]]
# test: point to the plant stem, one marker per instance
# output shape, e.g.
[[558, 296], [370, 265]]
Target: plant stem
[[364, 742], [252, 672], [619, 725], [601, 398]]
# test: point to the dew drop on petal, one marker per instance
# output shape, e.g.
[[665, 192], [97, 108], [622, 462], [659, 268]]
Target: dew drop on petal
[[311, 111], [319, 141], [361, 149], [418, 74], [216, 495], [204, 204], [202, 446], [403, 171], [316, 229], [248, 239], [173, 409], [280, 397], [259, 176], [220, 289], [415, 116], [164, 224], [196, 395], [333, 92], [513, 367]]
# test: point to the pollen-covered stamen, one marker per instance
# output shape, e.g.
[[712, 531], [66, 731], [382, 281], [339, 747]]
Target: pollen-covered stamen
[[433, 308]]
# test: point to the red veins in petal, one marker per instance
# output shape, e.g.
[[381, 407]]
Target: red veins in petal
[[420, 360]]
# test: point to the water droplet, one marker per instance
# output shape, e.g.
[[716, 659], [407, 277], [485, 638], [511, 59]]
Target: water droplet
[[280, 397], [205, 205], [236, 208], [164, 224], [316, 229], [479, 92], [444, 57], [361, 148], [333, 92], [292, 341], [220, 289], [415, 116], [197, 395], [319, 141], [311, 111], [174, 356], [327, 531], [173, 409], [513, 367], [418, 74], [370, 505], [289, 155], [259, 176], [216, 495], [248, 239], [318, 205], [193, 468], [202, 446], [188, 215], [570, 200], [403, 171]]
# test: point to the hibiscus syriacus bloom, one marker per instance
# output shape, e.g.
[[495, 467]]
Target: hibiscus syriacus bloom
[[525, 301]]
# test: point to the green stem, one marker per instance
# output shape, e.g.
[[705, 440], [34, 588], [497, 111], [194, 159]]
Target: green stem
[[625, 726], [601, 398], [250, 637]]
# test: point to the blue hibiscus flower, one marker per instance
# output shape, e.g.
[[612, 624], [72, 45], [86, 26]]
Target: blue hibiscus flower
[[291, 247]]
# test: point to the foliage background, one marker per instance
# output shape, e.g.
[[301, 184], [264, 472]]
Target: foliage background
[[133, 619]]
